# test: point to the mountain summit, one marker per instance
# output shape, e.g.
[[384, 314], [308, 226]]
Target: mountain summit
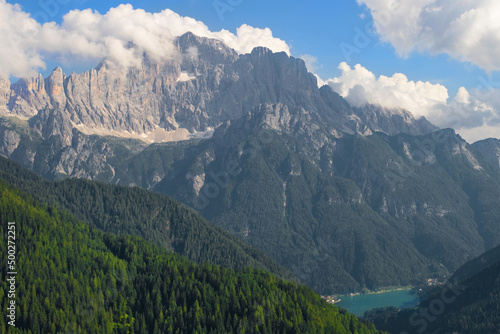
[[206, 84]]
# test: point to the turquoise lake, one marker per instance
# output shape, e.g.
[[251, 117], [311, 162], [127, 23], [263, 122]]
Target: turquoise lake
[[360, 303]]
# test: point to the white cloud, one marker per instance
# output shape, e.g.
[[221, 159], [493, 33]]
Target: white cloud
[[248, 37], [480, 133], [123, 34], [17, 54], [475, 115], [468, 30], [360, 86]]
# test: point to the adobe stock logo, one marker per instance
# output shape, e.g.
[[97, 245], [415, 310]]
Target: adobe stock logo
[[421, 150], [221, 179], [51, 8], [224, 6], [422, 317], [363, 37]]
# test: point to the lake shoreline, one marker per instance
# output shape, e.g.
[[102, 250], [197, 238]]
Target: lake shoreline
[[371, 292], [360, 302]]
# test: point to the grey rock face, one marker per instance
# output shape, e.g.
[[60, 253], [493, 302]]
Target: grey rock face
[[28, 97], [204, 85], [393, 121], [4, 93], [10, 141], [55, 85], [87, 153], [490, 151]]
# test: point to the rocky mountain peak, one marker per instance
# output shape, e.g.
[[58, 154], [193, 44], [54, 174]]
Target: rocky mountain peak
[[28, 96], [4, 84], [27, 88], [260, 51], [205, 49], [189, 37], [4, 94], [55, 86], [393, 120], [207, 84], [490, 151]]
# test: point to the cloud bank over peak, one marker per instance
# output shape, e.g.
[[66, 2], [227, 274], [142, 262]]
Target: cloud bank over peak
[[122, 35], [467, 30], [474, 114], [359, 86]]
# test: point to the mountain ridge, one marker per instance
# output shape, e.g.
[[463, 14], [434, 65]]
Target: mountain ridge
[[387, 178], [205, 85]]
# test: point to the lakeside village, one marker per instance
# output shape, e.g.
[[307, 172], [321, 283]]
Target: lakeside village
[[431, 282], [331, 299]]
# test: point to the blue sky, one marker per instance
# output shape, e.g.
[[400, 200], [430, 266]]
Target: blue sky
[[314, 28], [436, 49]]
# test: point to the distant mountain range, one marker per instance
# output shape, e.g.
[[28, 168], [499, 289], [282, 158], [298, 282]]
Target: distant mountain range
[[346, 198]]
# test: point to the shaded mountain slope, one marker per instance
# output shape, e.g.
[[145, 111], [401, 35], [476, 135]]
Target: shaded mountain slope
[[154, 217], [350, 212], [468, 303], [73, 278]]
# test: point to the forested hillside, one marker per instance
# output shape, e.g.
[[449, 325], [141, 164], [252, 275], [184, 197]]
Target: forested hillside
[[468, 303], [73, 278], [154, 217]]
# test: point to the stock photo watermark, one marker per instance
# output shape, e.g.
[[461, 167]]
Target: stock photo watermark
[[422, 150], [425, 149], [424, 316], [312, 263], [221, 179], [49, 9], [11, 273], [363, 36], [223, 6]]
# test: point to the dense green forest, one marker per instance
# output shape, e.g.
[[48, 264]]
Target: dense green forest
[[468, 303], [154, 217], [74, 278]]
